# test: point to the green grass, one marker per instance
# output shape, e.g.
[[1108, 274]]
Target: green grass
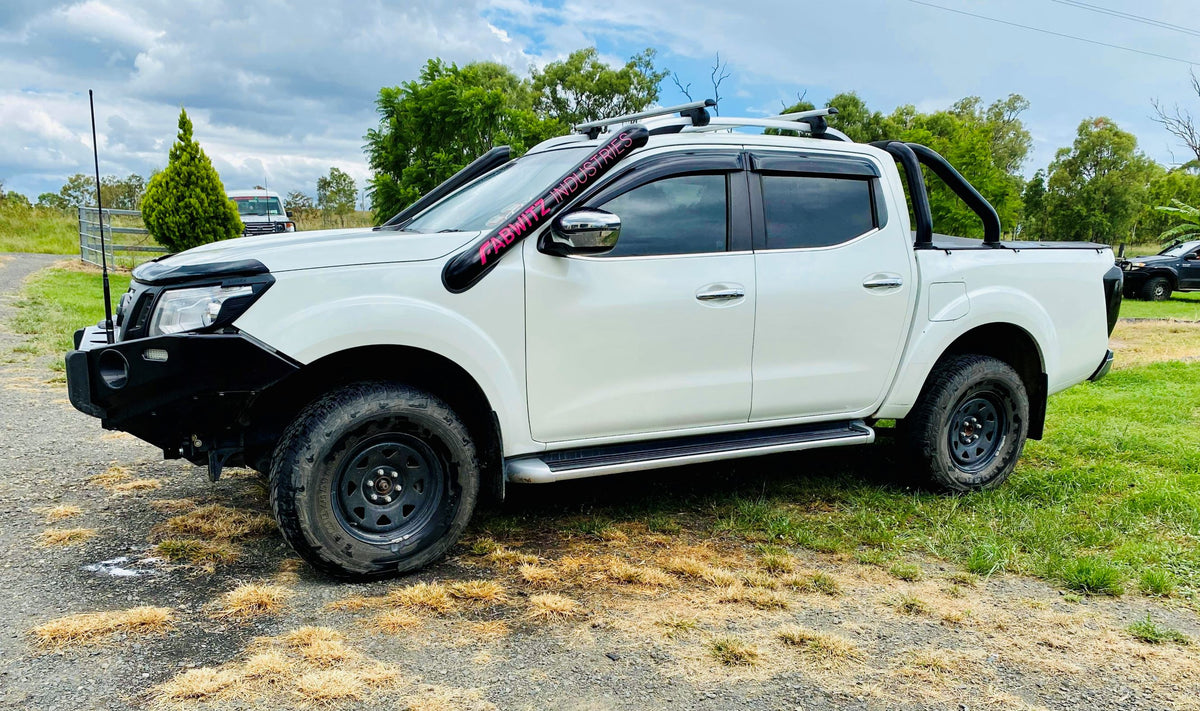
[[1094, 576], [54, 303], [1157, 583], [1151, 632], [38, 230], [1183, 306]]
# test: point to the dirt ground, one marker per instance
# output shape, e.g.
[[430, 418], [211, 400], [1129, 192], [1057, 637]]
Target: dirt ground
[[527, 615]]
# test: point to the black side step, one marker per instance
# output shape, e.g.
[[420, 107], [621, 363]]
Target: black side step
[[651, 454]]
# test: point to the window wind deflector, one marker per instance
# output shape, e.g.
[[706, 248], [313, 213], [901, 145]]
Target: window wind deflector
[[812, 164], [483, 164]]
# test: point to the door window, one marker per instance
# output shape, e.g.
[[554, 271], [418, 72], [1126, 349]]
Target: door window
[[816, 211], [684, 214]]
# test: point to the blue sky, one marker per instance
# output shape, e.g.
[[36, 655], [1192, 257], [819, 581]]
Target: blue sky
[[281, 91]]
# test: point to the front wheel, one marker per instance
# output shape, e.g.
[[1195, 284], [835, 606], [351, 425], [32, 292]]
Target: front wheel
[[1157, 289], [374, 479], [969, 425]]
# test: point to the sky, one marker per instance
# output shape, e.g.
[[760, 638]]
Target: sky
[[281, 91]]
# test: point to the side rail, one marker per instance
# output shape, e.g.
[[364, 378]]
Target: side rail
[[911, 156]]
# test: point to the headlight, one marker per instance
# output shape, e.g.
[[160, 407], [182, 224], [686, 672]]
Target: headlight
[[181, 310], [1137, 265]]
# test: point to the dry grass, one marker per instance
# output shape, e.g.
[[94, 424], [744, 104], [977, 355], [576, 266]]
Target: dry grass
[[429, 597], [114, 475], [762, 599], [217, 522], [733, 652], [503, 557], [1142, 342], [549, 606], [136, 485], [621, 571], [821, 645], [690, 567], [173, 505], [539, 576], [440, 698], [193, 551], [62, 512], [66, 536], [394, 621], [822, 583], [309, 666], [776, 563], [253, 600], [486, 591], [198, 685], [95, 627]]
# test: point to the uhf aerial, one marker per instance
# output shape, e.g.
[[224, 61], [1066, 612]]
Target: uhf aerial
[[108, 320]]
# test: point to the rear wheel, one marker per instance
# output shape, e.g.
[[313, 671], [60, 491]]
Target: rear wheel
[[1157, 289], [374, 479], [969, 425]]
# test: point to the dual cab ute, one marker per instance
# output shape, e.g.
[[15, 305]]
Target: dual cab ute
[[1176, 268], [631, 296]]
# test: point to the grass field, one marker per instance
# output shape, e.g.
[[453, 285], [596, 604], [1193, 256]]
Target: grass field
[[1185, 307], [1107, 503], [38, 230]]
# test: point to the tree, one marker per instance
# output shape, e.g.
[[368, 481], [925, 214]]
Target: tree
[[1034, 221], [1096, 188], [1164, 188], [336, 193], [11, 199], [582, 88], [53, 201], [1179, 122], [185, 204], [117, 193], [297, 201], [1188, 218]]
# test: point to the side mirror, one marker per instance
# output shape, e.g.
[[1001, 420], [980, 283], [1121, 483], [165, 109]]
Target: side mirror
[[586, 231], [289, 213], [1193, 256]]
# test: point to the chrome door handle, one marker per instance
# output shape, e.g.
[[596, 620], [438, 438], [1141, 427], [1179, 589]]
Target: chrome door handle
[[721, 295], [884, 283]]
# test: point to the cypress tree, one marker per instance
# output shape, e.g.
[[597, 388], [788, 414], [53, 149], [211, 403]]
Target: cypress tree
[[185, 204]]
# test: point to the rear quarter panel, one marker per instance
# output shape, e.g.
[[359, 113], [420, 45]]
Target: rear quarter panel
[[1054, 295]]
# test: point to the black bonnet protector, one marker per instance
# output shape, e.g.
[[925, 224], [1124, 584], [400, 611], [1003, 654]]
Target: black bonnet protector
[[468, 267], [161, 272]]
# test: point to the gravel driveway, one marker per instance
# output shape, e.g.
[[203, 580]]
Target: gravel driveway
[[640, 630]]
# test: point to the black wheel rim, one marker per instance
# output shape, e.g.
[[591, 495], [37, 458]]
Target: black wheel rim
[[388, 488], [977, 430]]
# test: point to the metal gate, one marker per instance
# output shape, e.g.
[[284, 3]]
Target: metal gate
[[128, 223]]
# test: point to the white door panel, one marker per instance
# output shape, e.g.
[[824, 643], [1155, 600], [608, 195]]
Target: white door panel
[[830, 325], [637, 344]]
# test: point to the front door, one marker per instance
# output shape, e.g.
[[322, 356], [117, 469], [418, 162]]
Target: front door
[[657, 335], [835, 288], [1189, 270]]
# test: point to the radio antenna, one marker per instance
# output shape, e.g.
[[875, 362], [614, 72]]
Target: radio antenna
[[108, 320]]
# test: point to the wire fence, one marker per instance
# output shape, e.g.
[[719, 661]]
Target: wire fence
[[125, 237]]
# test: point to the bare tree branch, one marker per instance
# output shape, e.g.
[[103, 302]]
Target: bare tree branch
[[1179, 122], [718, 75], [685, 89]]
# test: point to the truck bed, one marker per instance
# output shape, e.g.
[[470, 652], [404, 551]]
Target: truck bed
[[952, 242]]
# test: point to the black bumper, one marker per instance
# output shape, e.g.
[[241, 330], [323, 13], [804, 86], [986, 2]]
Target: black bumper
[[171, 389]]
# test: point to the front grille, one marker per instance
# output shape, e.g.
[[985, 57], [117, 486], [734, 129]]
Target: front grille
[[262, 228]]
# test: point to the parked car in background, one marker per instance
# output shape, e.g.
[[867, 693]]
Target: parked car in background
[[261, 211], [1176, 268]]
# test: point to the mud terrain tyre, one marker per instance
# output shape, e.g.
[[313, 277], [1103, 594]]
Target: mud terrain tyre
[[1157, 289], [969, 424], [374, 479]]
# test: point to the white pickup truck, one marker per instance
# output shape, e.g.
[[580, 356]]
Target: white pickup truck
[[632, 296]]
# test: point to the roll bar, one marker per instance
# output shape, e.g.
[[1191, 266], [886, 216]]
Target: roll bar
[[911, 156]]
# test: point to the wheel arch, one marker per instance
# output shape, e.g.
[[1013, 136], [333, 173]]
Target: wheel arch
[[1018, 348], [269, 414]]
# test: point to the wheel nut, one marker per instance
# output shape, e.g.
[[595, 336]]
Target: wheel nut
[[395, 475], [374, 497]]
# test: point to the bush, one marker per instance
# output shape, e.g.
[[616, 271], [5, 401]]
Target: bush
[[185, 204]]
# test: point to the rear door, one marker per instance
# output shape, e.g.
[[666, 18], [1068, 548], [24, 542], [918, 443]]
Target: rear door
[[656, 335], [836, 285]]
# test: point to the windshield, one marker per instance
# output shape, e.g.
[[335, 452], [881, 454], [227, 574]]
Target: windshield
[[495, 197], [1179, 250], [258, 205]]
